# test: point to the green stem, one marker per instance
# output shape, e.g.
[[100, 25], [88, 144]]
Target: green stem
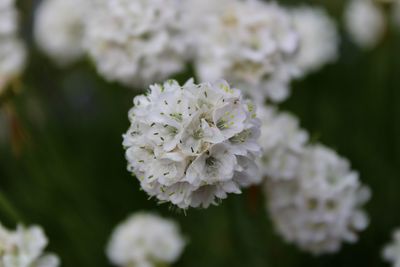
[[8, 209]]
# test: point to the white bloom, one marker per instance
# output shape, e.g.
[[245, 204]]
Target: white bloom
[[8, 18], [59, 29], [12, 51], [192, 144], [137, 42], [250, 43], [365, 22], [145, 240], [282, 142], [319, 39], [321, 207], [391, 252], [24, 248]]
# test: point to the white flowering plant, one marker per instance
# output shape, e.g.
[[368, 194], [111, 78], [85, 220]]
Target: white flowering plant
[[261, 133]]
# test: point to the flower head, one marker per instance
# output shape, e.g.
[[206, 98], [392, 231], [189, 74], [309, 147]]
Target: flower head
[[59, 29], [192, 144], [145, 240], [250, 43], [24, 248], [391, 252], [8, 18], [136, 42], [319, 38], [282, 141], [365, 22], [321, 207]]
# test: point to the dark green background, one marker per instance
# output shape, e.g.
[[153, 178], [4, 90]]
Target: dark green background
[[65, 169]]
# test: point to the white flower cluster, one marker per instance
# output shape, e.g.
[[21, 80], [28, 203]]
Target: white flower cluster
[[249, 43], [321, 206], [12, 51], [282, 142], [137, 42], [145, 240], [391, 252], [319, 38], [59, 29], [192, 144], [365, 22], [24, 248]]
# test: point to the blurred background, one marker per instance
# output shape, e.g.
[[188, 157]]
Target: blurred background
[[62, 163]]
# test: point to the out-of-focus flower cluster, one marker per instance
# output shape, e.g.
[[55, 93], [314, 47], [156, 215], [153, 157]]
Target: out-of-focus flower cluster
[[137, 42], [251, 44], [24, 248], [313, 196], [367, 21], [12, 51], [391, 252], [145, 240], [192, 144], [320, 206], [59, 29], [319, 39], [259, 46]]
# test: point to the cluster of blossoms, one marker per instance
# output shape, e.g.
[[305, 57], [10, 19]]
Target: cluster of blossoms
[[365, 22], [391, 252], [313, 197], [145, 240], [12, 51], [319, 38], [59, 29], [24, 248], [137, 42], [282, 142], [250, 43], [192, 144], [256, 45], [320, 207]]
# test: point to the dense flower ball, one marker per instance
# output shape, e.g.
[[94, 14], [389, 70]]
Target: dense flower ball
[[282, 141], [319, 38], [192, 144], [12, 51], [321, 207], [59, 29], [365, 22], [24, 248], [391, 252], [249, 43], [145, 240], [137, 42]]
